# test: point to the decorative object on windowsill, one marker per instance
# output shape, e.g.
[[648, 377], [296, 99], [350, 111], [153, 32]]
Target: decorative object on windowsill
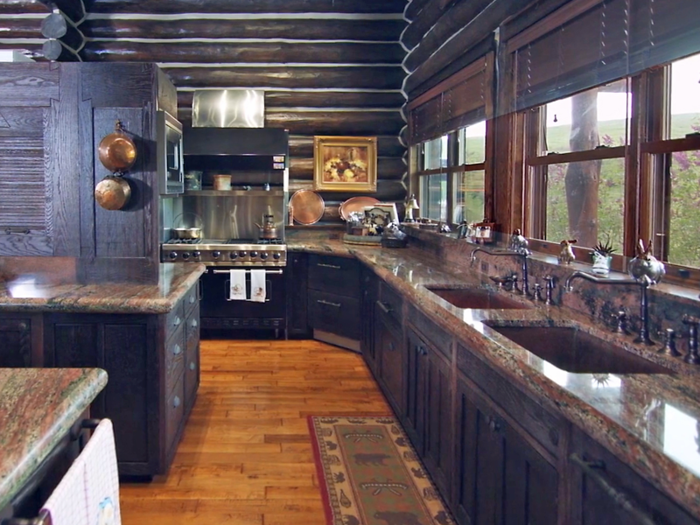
[[443, 227], [426, 223], [518, 243], [393, 237], [483, 232], [411, 204], [646, 267], [566, 255], [602, 257]]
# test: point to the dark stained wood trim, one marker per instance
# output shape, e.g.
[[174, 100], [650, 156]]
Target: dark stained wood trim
[[276, 100], [360, 77], [245, 52], [472, 70], [339, 29], [578, 156], [532, 14], [691, 142], [414, 7], [21, 27], [247, 6], [480, 166], [430, 17]]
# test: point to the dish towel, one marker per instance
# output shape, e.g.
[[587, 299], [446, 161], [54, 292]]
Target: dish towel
[[257, 286], [101, 476], [68, 504], [237, 291]]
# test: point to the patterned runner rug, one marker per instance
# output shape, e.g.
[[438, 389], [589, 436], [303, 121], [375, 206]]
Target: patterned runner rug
[[370, 475]]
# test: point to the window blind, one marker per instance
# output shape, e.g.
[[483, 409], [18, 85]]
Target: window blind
[[456, 102]]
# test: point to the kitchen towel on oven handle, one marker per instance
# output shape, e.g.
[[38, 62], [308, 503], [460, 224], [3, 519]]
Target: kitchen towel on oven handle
[[258, 286], [237, 288]]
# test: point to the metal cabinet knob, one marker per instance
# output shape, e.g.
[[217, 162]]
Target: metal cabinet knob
[[192, 299], [193, 366], [177, 350], [194, 323], [22, 326], [176, 402], [177, 321]]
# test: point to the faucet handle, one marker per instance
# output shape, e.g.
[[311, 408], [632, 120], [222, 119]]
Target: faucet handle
[[621, 317], [669, 347], [549, 288]]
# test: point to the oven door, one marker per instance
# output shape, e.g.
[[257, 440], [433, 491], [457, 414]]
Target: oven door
[[218, 311]]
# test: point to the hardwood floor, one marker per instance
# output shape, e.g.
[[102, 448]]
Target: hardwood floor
[[245, 456]]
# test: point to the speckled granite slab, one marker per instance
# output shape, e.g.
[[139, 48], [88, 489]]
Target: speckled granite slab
[[650, 421], [38, 406], [28, 292]]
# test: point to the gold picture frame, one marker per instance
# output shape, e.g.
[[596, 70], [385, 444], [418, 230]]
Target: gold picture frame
[[345, 164]]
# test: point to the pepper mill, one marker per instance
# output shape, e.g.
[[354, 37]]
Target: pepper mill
[[692, 356]]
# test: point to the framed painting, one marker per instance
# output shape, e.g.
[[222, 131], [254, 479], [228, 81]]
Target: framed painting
[[345, 164]]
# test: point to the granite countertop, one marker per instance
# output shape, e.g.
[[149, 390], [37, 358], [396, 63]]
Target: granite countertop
[[650, 421], [50, 401], [36, 292]]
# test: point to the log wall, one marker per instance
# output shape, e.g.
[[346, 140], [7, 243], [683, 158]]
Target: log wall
[[327, 67]]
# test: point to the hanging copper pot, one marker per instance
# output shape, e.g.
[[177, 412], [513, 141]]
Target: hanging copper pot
[[112, 192], [117, 152]]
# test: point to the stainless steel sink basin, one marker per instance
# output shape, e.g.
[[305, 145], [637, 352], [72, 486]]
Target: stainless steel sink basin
[[475, 298], [577, 351]]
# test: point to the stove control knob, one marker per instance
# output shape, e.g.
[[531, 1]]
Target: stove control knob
[[264, 255], [196, 255], [185, 256], [242, 254], [216, 254], [276, 256], [173, 255], [233, 255], [253, 254]]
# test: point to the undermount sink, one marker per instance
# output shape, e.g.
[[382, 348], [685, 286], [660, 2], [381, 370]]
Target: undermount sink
[[476, 298], [574, 350]]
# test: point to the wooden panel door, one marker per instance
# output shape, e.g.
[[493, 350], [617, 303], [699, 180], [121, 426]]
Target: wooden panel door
[[390, 363], [15, 343], [296, 275], [367, 328], [416, 358]]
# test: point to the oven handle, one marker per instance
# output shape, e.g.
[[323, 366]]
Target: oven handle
[[278, 271]]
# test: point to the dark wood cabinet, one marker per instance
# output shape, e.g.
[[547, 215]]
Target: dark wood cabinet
[[296, 275], [370, 285], [388, 345], [500, 477], [608, 492], [16, 349]]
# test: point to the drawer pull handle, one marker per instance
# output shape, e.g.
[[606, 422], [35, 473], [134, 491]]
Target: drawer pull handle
[[328, 303], [333, 266], [177, 350], [22, 326], [385, 308], [391, 346], [177, 321], [194, 323], [192, 365], [594, 470], [176, 402]]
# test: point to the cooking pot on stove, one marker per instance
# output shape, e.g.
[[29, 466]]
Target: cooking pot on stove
[[187, 232], [268, 231]]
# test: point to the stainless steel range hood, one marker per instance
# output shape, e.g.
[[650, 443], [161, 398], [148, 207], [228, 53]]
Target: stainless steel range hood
[[228, 108]]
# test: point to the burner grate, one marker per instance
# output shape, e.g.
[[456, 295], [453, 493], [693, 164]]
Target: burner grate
[[184, 241]]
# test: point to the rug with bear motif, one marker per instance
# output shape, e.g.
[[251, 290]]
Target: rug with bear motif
[[370, 475]]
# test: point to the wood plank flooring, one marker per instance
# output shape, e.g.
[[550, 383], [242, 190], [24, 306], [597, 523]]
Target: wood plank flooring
[[245, 456]]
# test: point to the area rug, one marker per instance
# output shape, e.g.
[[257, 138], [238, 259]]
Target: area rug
[[370, 474]]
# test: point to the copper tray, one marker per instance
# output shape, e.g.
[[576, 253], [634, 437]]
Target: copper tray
[[307, 206], [355, 204]]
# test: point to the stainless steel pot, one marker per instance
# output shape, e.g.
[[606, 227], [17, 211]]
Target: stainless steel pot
[[187, 233]]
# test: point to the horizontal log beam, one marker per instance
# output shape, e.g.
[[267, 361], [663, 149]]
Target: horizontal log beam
[[59, 52], [388, 77], [429, 15], [414, 7], [247, 6], [57, 26], [319, 99], [322, 29], [388, 168], [20, 7], [245, 52], [327, 123], [387, 191], [475, 31], [73, 9], [20, 28], [387, 146], [451, 21]]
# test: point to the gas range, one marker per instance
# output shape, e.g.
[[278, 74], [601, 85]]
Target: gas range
[[233, 252]]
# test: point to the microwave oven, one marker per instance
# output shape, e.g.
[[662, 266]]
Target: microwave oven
[[171, 175]]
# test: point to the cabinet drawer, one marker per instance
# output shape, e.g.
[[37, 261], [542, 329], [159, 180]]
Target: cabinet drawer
[[174, 319], [334, 275], [390, 303], [191, 299], [174, 359], [440, 339], [174, 412], [334, 313]]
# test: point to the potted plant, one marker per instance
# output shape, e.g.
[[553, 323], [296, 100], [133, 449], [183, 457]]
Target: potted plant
[[602, 257]]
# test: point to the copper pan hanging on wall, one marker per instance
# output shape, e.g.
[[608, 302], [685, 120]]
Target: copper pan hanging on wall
[[113, 192], [117, 152]]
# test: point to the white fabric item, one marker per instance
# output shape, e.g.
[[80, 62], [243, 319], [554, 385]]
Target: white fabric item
[[101, 476], [257, 286], [237, 291], [68, 504]]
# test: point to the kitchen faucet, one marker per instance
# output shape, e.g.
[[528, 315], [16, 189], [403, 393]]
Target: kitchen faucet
[[520, 253], [643, 283]]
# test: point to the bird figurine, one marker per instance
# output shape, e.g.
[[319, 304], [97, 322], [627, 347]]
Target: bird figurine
[[566, 255], [645, 266]]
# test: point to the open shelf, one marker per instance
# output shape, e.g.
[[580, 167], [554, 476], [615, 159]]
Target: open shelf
[[236, 193]]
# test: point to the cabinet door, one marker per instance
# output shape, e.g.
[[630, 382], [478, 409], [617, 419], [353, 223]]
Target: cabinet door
[[417, 366], [297, 320], [369, 296], [500, 478], [608, 492], [390, 363], [438, 429], [15, 343]]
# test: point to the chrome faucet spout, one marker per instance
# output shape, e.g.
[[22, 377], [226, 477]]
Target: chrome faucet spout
[[594, 279], [508, 253]]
